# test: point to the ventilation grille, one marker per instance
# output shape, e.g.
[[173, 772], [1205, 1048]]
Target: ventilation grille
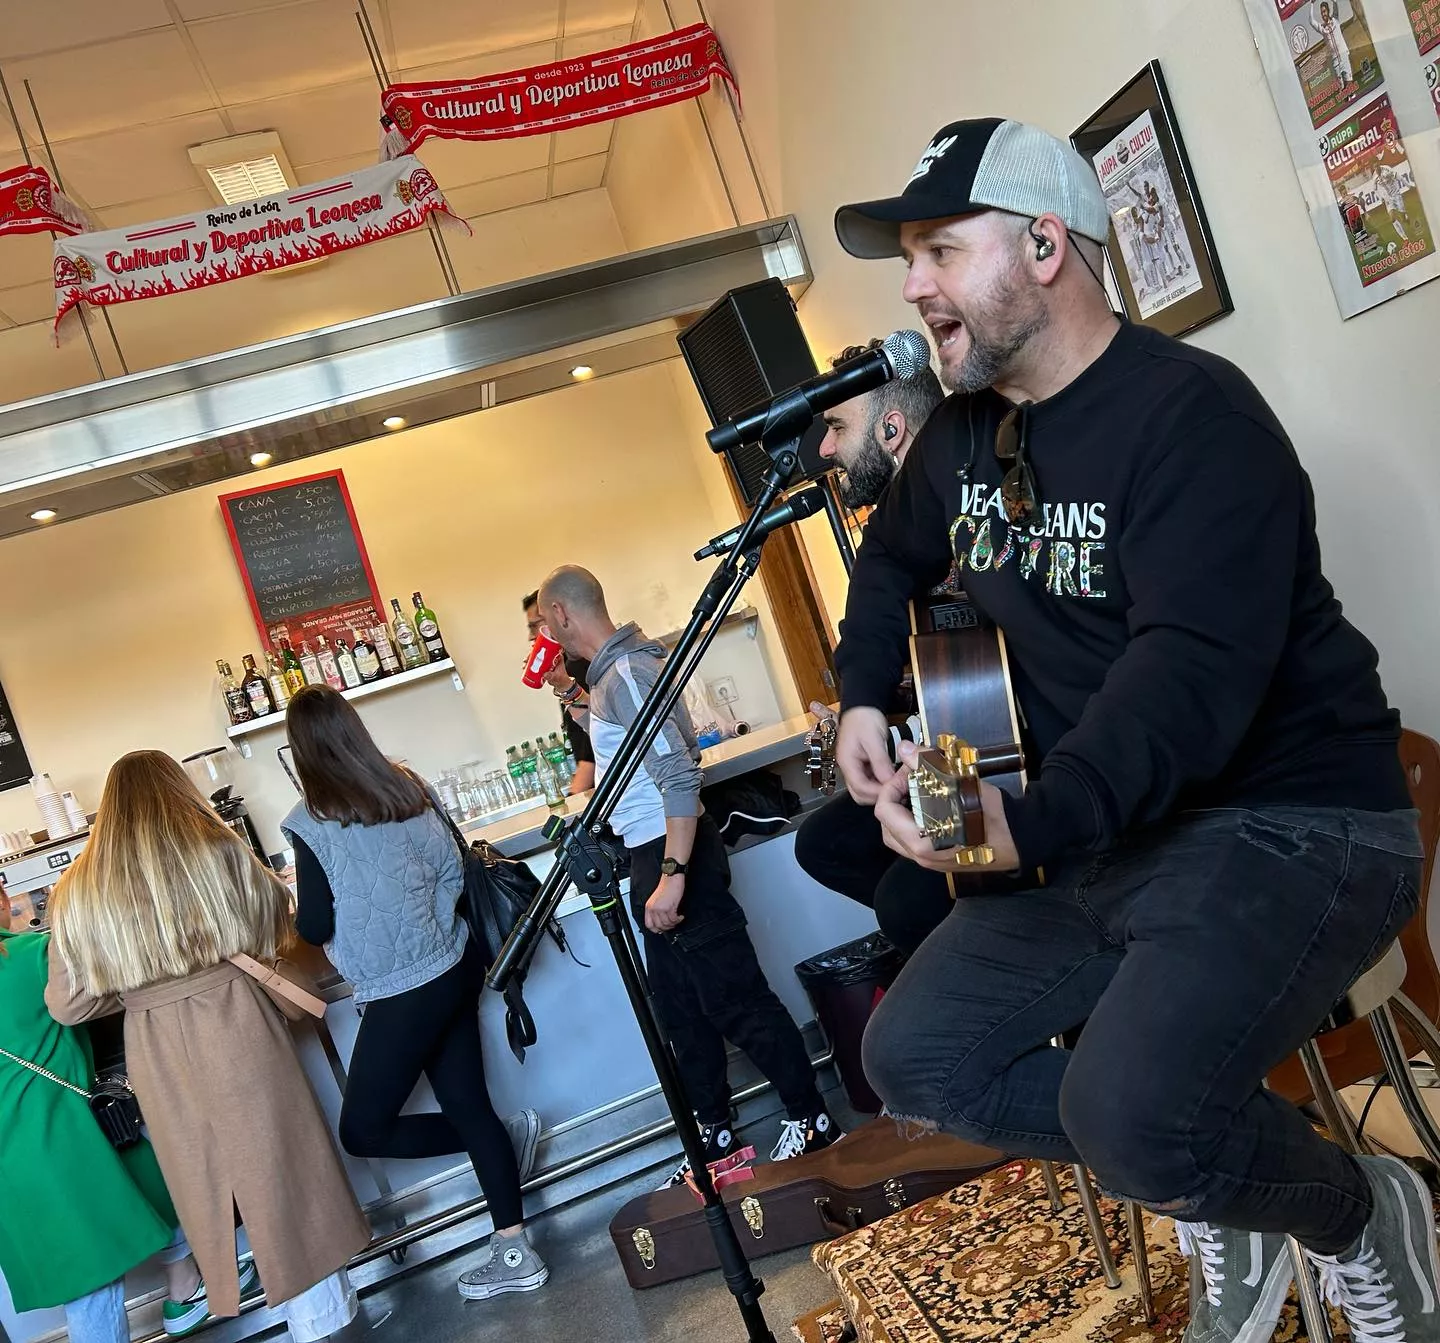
[[245, 181]]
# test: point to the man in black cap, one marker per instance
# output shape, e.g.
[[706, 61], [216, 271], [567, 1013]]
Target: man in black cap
[[1215, 797]]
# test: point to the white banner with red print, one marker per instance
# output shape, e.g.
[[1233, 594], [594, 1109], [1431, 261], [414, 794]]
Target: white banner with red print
[[230, 242], [29, 203]]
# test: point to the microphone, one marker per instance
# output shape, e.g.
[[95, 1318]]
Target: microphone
[[797, 506], [904, 355]]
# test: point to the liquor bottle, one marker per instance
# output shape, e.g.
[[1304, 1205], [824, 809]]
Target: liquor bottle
[[237, 703], [412, 655], [290, 667], [310, 666], [516, 770], [384, 649], [279, 686], [326, 661], [428, 628], [345, 662], [257, 691], [549, 780], [366, 662]]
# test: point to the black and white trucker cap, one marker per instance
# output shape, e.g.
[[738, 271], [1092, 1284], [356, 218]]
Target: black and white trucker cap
[[986, 164]]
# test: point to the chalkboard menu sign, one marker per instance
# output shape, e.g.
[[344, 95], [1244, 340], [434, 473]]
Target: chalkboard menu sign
[[14, 763], [303, 559]]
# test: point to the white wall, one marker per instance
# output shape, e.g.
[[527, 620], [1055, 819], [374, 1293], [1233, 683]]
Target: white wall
[[122, 615], [859, 95]]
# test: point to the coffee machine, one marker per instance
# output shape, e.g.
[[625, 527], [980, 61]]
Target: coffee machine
[[213, 773]]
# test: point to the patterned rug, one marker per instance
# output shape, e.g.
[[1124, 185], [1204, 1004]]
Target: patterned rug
[[990, 1261]]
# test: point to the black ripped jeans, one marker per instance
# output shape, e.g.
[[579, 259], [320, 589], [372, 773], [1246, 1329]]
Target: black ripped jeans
[[709, 987], [1198, 954]]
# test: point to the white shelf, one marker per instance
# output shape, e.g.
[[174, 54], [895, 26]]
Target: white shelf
[[445, 666]]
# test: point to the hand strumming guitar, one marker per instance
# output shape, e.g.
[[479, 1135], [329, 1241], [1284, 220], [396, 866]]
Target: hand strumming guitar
[[863, 753]]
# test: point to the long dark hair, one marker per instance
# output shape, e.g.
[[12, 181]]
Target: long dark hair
[[345, 776]]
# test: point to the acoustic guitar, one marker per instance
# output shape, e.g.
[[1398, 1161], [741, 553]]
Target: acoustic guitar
[[965, 722]]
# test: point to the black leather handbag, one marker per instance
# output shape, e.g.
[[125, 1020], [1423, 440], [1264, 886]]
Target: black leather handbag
[[112, 1102]]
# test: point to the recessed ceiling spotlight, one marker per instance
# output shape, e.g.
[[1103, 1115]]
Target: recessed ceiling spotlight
[[394, 421], [261, 459], [43, 515], [582, 371]]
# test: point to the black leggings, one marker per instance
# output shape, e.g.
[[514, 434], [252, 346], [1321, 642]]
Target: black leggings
[[435, 1030]]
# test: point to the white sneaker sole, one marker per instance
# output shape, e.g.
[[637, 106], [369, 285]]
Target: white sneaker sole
[[530, 1284]]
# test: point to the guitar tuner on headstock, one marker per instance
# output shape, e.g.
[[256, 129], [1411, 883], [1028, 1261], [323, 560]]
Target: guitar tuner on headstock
[[945, 795], [820, 757]]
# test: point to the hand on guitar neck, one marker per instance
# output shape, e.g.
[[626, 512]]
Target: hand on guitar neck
[[897, 819]]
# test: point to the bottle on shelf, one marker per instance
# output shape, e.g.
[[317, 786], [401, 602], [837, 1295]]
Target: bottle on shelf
[[528, 763], [549, 781], [516, 770], [559, 760], [237, 703], [279, 687], [407, 642], [310, 666], [290, 667], [384, 649], [345, 663], [325, 658], [256, 688], [428, 628], [367, 662]]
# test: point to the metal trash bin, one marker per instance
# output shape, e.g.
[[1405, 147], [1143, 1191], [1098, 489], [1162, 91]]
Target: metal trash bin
[[844, 985]]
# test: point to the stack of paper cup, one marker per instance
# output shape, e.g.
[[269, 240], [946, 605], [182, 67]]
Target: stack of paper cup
[[51, 806], [74, 812]]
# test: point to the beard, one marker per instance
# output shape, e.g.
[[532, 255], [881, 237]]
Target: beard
[[999, 325], [864, 480]]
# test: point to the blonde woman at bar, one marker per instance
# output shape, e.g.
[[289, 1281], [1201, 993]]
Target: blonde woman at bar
[[146, 921]]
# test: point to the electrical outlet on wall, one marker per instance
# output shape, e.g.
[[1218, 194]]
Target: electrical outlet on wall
[[721, 690]]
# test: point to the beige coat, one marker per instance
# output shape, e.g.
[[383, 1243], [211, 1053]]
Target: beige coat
[[235, 1125]]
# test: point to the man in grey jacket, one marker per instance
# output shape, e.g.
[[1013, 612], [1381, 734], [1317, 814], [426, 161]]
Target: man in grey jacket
[[707, 982]]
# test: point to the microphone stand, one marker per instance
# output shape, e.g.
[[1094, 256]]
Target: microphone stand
[[582, 859], [838, 526]]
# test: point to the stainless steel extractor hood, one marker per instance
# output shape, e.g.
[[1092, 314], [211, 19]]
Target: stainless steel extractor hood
[[131, 439]]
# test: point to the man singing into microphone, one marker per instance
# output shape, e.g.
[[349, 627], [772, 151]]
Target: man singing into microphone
[[1215, 797], [707, 982]]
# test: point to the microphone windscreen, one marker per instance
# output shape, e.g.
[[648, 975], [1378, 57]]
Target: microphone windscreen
[[909, 354]]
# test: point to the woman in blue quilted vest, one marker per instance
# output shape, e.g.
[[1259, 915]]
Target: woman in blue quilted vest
[[378, 883]]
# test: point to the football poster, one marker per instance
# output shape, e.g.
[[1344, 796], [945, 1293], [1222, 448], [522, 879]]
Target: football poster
[[1333, 51]]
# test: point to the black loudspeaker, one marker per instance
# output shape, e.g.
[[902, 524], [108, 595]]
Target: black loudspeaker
[[746, 350]]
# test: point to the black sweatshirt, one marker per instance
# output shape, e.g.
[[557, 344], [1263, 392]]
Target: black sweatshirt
[[1172, 639]]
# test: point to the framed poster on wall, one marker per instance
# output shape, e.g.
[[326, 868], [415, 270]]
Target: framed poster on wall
[[1161, 257], [1346, 117]]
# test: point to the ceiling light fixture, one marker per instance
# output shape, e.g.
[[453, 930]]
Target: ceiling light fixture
[[582, 371], [394, 421], [43, 515], [242, 167], [261, 459]]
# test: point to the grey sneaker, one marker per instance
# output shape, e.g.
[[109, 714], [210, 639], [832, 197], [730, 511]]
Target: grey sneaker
[[1238, 1283], [513, 1266], [524, 1131], [1388, 1287]]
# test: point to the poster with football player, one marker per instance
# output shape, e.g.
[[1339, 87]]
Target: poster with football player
[[1333, 52], [1375, 192]]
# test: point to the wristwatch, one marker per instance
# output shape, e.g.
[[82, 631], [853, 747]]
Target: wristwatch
[[673, 867]]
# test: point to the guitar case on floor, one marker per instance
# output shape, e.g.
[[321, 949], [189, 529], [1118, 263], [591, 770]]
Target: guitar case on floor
[[872, 1172]]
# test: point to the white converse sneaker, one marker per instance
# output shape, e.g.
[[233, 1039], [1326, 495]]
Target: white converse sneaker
[[800, 1137], [513, 1266]]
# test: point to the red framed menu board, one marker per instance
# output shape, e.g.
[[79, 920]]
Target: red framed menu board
[[302, 558]]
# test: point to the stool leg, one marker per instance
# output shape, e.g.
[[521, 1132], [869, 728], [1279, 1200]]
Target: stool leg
[[1392, 1050], [1418, 1022], [1332, 1109], [1135, 1221], [1091, 1205], [1312, 1309], [1052, 1186]]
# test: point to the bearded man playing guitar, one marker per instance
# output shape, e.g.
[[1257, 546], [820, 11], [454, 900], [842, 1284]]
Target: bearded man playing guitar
[[1214, 798]]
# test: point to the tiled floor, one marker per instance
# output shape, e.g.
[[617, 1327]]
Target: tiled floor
[[587, 1297]]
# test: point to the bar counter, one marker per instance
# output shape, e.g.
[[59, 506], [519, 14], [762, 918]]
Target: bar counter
[[588, 1075]]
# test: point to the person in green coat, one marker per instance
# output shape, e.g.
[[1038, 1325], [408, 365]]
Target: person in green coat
[[76, 1218]]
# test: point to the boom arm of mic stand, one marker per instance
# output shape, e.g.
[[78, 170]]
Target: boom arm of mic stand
[[715, 602]]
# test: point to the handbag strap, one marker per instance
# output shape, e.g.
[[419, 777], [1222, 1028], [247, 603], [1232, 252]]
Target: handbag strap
[[270, 977], [46, 1073]]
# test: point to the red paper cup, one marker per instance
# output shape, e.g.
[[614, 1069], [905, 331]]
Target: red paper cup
[[544, 654]]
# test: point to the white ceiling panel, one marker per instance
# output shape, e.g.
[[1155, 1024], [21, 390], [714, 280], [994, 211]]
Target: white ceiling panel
[[138, 164], [587, 43], [457, 163], [5, 322], [479, 65], [283, 52], [504, 193], [328, 168], [323, 124], [583, 142], [190, 10], [579, 175], [427, 31], [30, 303], [160, 207], [29, 27], [26, 259], [582, 15], [126, 83]]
